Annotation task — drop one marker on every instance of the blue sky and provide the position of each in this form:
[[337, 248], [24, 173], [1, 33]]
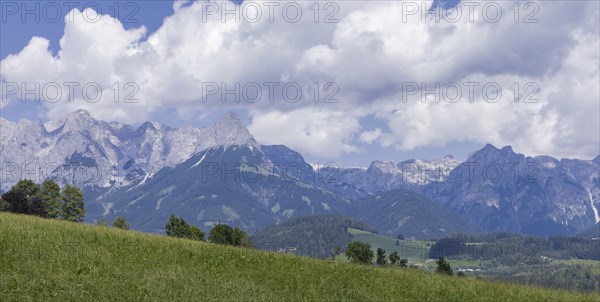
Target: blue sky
[[373, 52]]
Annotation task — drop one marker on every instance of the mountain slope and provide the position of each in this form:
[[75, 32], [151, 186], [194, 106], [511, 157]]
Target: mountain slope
[[315, 236], [500, 190], [405, 212], [234, 185], [591, 232], [44, 260]]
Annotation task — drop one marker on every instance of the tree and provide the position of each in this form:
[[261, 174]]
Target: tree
[[404, 263], [73, 208], [38, 207], [443, 267], [225, 234], [359, 252], [400, 236], [121, 223], [394, 258], [101, 222], [381, 257], [17, 201], [195, 233], [240, 238], [20, 198], [28, 187], [221, 234], [178, 227], [4, 206], [50, 193]]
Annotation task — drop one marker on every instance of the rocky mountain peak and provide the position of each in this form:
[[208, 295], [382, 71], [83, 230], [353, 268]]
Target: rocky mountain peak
[[231, 130], [78, 120], [387, 167], [490, 153]]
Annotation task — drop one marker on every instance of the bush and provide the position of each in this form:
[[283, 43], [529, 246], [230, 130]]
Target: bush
[[443, 267], [121, 223]]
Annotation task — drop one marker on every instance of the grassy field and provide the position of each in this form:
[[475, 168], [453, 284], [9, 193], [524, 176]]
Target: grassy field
[[48, 260], [413, 250], [594, 263]]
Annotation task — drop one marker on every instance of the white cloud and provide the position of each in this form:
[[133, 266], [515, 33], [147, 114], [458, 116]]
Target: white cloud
[[316, 132], [370, 136], [369, 53]]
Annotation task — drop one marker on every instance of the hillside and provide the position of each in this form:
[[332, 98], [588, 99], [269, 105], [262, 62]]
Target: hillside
[[591, 232], [316, 236], [218, 185], [416, 251], [45, 260], [405, 212]]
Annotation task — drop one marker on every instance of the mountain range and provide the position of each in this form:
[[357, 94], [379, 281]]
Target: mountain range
[[220, 173]]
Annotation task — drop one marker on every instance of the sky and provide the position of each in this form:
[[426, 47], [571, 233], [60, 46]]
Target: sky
[[346, 81]]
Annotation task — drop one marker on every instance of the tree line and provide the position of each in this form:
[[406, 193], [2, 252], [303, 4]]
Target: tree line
[[512, 249], [361, 252], [45, 200], [219, 234]]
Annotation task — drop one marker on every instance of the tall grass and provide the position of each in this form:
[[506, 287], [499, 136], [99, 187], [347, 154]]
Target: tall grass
[[49, 260]]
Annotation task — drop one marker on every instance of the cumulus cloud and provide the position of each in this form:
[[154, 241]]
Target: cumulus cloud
[[328, 134], [370, 136], [371, 52]]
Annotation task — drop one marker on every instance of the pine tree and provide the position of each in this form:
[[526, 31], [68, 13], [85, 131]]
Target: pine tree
[[381, 257]]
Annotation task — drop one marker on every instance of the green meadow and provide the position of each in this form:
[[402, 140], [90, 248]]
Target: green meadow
[[51, 260]]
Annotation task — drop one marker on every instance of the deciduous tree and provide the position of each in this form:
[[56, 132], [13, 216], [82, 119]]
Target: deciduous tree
[[394, 257], [359, 252], [50, 193], [178, 227], [73, 208]]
